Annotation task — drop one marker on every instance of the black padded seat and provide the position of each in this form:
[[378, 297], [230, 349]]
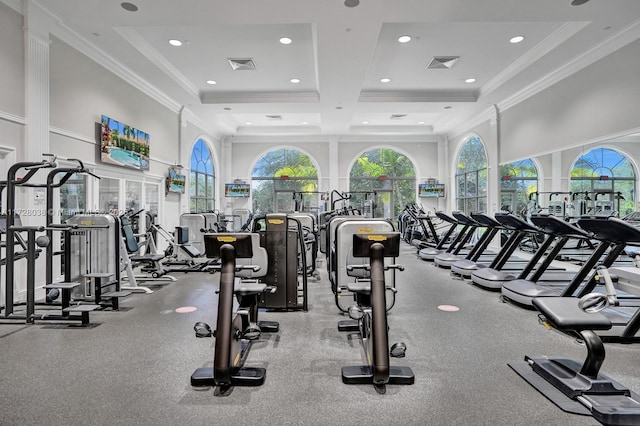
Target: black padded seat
[[146, 257], [564, 314]]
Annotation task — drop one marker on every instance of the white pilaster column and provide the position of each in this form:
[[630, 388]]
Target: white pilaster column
[[226, 156], [334, 169], [556, 172], [36, 56]]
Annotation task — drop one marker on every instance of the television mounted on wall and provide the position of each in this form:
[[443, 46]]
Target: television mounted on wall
[[431, 190], [241, 190], [176, 182], [123, 145]]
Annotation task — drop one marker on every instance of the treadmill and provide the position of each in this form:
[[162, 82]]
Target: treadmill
[[447, 258], [493, 278], [429, 253], [464, 267], [522, 291]]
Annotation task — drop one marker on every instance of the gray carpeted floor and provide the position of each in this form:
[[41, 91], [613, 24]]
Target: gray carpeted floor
[[134, 368]]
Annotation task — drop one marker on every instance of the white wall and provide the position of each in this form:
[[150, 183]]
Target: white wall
[[593, 104], [12, 81]]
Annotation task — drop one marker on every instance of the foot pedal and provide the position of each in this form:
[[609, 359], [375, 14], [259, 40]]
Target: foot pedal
[[252, 332], [348, 325], [269, 326], [398, 350], [202, 329]]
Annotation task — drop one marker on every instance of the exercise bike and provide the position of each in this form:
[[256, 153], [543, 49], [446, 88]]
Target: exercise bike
[[234, 331], [371, 315]]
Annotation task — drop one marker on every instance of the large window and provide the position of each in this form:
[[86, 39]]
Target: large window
[[471, 177], [604, 179], [388, 174], [278, 176], [518, 181], [202, 185]]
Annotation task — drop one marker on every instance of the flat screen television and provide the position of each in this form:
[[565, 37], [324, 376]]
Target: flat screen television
[[431, 190], [122, 145], [241, 190], [176, 182]]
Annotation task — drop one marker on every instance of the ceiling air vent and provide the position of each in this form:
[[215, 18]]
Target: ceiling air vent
[[273, 117], [242, 64], [442, 62], [398, 116]]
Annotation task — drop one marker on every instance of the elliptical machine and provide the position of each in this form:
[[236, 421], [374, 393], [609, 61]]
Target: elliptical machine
[[371, 315], [234, 331]]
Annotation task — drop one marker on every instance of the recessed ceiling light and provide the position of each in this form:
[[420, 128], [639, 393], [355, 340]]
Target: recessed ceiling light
[[578, 2], [130, 7], [385, 80], [285, 40], [351, 3], [305, 122], [338, 107], [470, 80], [248, 123], [420, 122], [516, 39], [404, 39], [211, 82], [295, 80], [175, 42], [448, 107], [227, 109], [365, 122]]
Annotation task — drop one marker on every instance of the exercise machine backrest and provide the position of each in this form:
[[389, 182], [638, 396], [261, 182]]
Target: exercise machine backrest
[[344, 242], [259, 258]]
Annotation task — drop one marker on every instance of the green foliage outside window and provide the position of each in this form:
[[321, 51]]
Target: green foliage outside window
[[395, 191], [270, 191], [471, 177]]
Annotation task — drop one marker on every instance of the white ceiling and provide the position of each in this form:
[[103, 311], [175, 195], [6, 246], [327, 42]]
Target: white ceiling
[[341, 53]]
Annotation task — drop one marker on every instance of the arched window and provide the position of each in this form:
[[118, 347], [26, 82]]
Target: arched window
[[518, 181], [471, 177], [390, 175], [202, 185], [605, 180], [278, 176]]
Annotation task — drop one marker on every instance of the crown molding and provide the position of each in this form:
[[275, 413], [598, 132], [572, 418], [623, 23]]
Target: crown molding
[[615, 42], [140, 44], [257, 97], [392, 130], [196, 121], [419, 96], [278, 130], [556, 38], [90, 50], [14, 4]]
